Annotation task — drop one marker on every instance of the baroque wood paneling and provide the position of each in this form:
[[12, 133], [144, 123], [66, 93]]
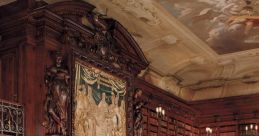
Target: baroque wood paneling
[[9, 75], [225, 115], [180, 118], [40, 29]]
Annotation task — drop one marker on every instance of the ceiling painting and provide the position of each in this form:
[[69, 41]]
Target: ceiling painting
[[227, 26]]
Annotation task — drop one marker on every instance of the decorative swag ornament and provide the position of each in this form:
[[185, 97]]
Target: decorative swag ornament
[[100, 81]]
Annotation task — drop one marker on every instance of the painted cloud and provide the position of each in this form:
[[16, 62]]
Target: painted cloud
[[226, 25]]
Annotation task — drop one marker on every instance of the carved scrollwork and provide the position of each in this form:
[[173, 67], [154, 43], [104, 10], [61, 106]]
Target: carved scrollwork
[[57, 101], [101, 43]]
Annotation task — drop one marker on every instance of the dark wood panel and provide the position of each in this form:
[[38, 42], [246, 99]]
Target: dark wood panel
[[9, 75], [179, 120], [224, 115]]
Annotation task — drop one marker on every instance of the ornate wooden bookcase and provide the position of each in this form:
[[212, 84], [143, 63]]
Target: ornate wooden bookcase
[[42, 40], [180, 119]]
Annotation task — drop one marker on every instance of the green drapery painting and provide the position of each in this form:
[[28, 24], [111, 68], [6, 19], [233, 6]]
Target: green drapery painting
[[99, 103]]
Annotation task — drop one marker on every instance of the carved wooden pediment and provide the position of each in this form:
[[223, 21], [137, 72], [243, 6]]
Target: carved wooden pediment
[[99, 39]]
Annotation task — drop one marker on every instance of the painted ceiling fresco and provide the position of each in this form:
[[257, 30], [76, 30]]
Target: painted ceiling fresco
[[227, 26]]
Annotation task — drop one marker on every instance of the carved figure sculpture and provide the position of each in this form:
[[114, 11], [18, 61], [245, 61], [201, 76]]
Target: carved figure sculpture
[[57, 100], [138, 117], [103, 37]]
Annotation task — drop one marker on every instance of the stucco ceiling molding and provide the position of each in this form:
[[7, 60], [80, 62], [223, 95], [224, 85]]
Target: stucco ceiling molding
[[252, 79], [248, 72], [221, 82], [240, 54], [139, 8], [208, 84], [194, 74]]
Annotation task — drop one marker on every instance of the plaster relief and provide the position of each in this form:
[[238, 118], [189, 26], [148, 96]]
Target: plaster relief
[[146, 12]]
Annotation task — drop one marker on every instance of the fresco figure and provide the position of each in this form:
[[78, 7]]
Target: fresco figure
[[227, 26]]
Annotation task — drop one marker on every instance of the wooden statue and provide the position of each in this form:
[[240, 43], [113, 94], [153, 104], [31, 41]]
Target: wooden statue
[[138, 117], [56, 104]]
